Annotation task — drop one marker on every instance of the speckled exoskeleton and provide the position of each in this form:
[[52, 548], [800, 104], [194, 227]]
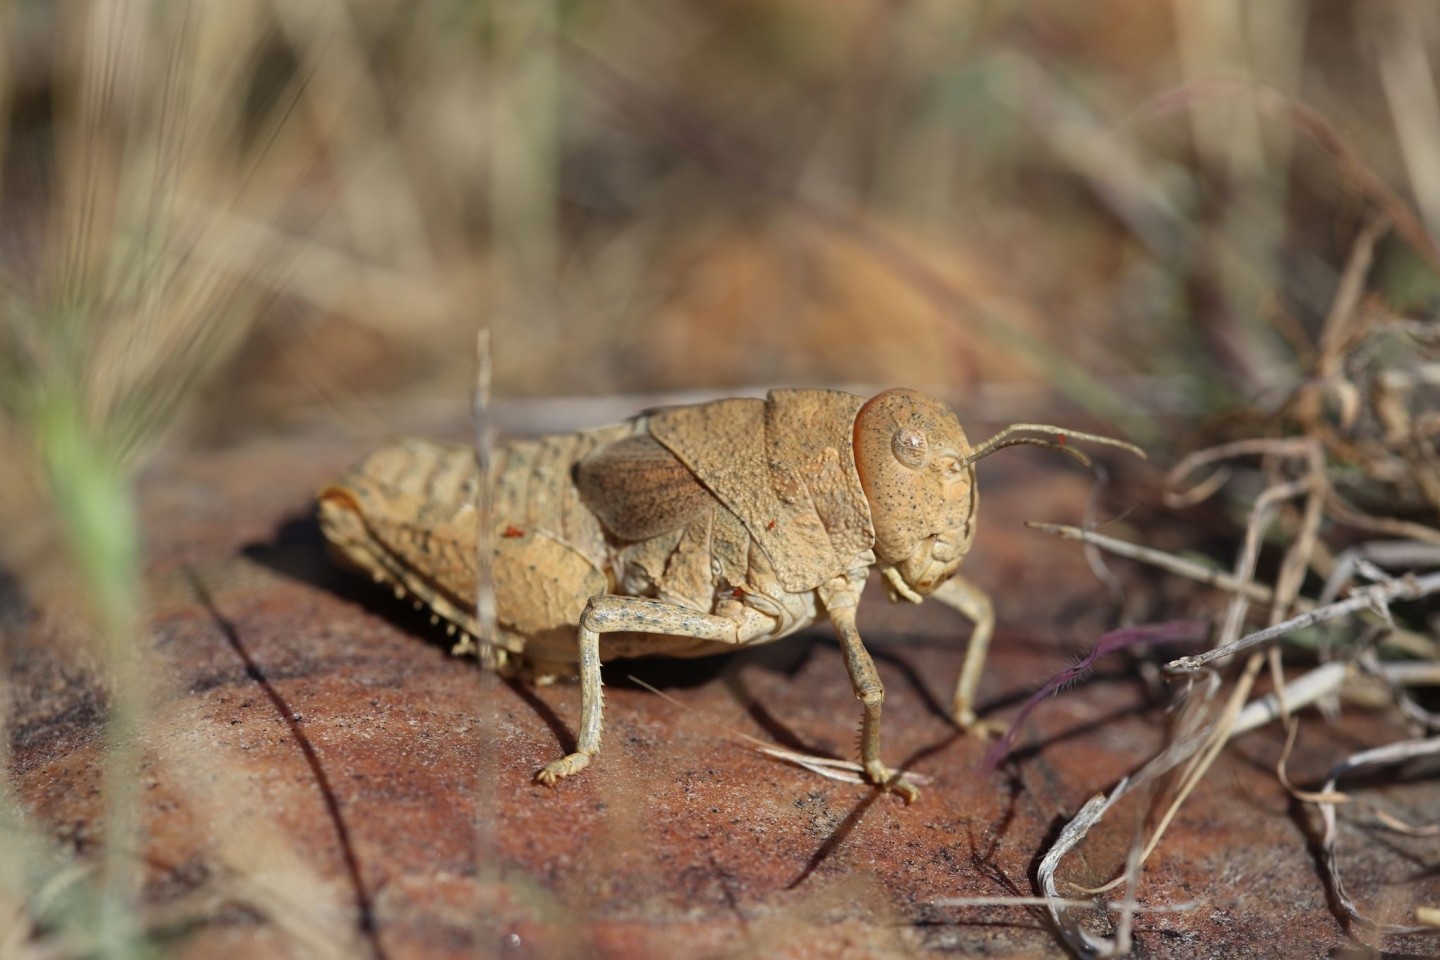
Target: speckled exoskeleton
[[683, 532]]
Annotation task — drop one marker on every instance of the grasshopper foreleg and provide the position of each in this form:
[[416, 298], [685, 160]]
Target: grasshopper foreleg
[[615, 614], [841, 598]]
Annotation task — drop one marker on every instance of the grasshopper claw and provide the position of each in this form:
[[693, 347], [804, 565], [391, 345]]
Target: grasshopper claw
[[907, 790], [557, 770], [892, 781]]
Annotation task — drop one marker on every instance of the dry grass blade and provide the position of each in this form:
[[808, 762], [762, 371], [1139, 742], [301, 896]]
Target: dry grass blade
[[1178, 496], [1425, 673], [1402, 553], [490, 916], [846, 771], [1403, 55]]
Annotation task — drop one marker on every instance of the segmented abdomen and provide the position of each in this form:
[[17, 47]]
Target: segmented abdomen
[[535, 491]]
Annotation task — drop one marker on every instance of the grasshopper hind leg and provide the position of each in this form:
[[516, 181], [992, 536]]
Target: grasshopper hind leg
[[591, 711], [614, 614]]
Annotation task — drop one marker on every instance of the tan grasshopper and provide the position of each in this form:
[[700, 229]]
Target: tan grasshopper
[[684, 532]]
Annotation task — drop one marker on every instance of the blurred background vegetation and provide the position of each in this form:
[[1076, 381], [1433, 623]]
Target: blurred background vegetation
[[1110, 203], [223, 219]]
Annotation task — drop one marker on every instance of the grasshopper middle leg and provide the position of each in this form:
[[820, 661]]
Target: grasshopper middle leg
[[615, 614], [960, 594]]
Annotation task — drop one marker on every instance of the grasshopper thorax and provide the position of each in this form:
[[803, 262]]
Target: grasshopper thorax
[[910, 453]]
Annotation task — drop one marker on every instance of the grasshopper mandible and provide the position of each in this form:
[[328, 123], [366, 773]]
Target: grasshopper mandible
[[684, 532]]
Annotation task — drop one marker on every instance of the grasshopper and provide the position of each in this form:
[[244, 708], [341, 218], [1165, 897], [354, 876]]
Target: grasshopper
[[686, 531]]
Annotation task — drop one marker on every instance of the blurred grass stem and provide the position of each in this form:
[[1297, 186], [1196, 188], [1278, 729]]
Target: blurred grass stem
[[94, 505]]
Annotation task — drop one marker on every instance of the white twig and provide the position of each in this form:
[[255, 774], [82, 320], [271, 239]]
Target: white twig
[[1369, 598], [1391, 754], [1079, 939], [1068, 904], [1303, 691]]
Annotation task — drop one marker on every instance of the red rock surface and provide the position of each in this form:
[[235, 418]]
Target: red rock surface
[[322, 778]]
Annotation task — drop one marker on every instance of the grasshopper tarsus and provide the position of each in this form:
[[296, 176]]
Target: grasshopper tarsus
[[906, 790], [556, 770]]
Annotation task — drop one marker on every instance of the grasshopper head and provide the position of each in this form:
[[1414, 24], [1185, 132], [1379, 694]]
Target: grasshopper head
[[910, 453]]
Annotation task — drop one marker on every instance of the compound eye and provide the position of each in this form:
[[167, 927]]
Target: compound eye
[[910, 447]]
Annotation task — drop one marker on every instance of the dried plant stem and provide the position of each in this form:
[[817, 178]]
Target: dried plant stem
[[1061, 902], [1177, 496], [1300, 554], [1372, 598], [1417, 674], [1379, 552], [1342, 512], [1260, 514], [1212, 576], [484, 508], [1339, 335], [1306, 689]]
